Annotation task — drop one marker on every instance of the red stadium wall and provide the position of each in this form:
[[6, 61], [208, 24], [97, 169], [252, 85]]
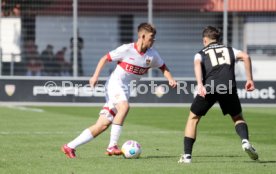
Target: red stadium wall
[[119, 6]]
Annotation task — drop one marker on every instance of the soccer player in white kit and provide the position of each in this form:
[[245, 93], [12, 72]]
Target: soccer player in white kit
[[133, 60]]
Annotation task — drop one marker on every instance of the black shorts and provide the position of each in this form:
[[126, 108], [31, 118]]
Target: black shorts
[[229, 103]]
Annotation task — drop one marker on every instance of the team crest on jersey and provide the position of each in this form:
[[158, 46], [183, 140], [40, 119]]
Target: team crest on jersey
[[148, 61]]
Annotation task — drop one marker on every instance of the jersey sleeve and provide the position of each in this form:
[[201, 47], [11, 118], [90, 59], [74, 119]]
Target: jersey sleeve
[[198, 57], [157, 62], [236, 52], [117, 54]]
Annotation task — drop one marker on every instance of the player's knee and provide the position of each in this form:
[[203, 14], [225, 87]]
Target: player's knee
[[193, 122], [238, 118], [123, 107], [193, 117]]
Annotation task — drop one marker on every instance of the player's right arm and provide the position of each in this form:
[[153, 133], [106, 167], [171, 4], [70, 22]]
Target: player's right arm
[[198, 74], [249, 86], [94, 79], [114, 55]]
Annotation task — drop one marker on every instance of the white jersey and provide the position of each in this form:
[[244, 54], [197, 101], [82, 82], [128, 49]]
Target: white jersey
[[131, 65]]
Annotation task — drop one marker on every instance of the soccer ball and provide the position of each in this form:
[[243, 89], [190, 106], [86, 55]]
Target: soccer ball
[[131, 149]]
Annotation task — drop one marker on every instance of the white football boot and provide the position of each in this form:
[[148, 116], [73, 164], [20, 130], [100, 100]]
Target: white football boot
[[185, 158], [249, 149]]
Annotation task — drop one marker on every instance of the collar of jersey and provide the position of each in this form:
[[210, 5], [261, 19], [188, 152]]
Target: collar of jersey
[[136, 48], [212, 43]]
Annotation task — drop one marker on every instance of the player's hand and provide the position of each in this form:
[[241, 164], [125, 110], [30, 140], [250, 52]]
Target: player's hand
[[93, 81], [201, 90], [172, 83], [249, 86]]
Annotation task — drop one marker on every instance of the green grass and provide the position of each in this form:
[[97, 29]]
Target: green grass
[[31, 141]]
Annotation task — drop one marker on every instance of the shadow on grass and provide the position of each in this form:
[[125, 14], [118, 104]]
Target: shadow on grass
[[216, 156], [235, 156], [164, 156], [265, 162]]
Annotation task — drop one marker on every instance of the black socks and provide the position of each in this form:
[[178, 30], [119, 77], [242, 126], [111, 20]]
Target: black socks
[[242, 130], [188, 145]]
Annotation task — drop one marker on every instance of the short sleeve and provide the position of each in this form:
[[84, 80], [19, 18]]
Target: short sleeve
[[157, 62], [198, 57], [117, 54], [236, 52]]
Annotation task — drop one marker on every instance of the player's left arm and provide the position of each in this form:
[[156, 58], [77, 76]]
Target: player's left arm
[[159, 63], [249, 86], [167, 74]]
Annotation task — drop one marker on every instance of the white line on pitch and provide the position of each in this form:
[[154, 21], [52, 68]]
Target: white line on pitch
[[22, 108], [64, 133]]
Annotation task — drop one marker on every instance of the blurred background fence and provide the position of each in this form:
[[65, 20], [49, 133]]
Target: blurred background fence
[[67, 37]]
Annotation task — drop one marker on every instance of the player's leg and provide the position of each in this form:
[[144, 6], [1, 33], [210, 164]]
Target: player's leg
[[242, 130], [199, 107], [117, 95], [189, 137], [88, 134], [92, 132], [116, 128], [230, 104], [240, 126]]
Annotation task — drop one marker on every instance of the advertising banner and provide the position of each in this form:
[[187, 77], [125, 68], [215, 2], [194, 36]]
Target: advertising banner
[[146, 91]]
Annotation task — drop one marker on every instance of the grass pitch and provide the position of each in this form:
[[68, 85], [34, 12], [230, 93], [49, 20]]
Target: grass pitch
[[31, 138]]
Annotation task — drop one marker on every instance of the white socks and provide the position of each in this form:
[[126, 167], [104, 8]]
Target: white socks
[[115, 134], [83, 138], [86, 136]]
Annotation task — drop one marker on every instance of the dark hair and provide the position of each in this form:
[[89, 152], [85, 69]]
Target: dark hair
[[212, 33], [147, 27]]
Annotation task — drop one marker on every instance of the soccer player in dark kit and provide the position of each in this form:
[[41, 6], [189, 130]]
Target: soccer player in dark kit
[[214, 68]]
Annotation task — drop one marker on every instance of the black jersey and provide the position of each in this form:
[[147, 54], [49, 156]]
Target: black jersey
[[218, 66]]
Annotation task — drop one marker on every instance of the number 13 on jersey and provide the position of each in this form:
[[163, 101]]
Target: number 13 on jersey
[[219, 56]]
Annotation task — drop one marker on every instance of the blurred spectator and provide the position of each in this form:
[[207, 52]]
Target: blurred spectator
[[34, 63], [48, 58], [60, 55], [34, 68], [64, 66], [80, 45], [10, 8], [29, 50], [16, 10]]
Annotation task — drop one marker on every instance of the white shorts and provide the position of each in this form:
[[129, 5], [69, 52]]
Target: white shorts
[[114, 94]]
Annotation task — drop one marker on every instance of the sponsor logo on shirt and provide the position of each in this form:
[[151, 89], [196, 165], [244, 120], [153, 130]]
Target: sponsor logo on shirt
[[133, 68]]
